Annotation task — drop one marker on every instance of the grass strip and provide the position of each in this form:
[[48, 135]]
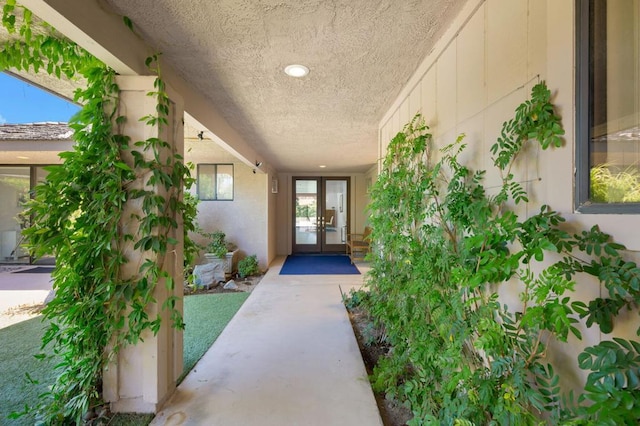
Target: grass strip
[[20, 342], [205, 316]]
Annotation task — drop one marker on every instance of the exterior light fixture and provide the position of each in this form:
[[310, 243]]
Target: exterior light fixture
[[296, 70], [322, 166]]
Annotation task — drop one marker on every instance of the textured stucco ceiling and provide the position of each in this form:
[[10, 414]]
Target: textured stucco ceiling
[[360, 53]]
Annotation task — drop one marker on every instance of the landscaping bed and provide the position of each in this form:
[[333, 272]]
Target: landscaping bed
[[373, 347], [247, 285]]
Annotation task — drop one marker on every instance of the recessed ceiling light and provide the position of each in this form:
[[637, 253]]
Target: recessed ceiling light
[[296, 70], [21, 157], [322, 166]]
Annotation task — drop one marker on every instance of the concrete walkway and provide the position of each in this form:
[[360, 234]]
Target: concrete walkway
[[288, 358], [21, 290]]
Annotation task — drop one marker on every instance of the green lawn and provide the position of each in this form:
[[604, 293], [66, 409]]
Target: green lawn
[[20, 342], [205, 317]]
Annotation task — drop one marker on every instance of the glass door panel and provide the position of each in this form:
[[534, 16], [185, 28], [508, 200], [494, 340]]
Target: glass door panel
[[15, 183], [320, 214], [306, 235], [40, 177], [334, 219]]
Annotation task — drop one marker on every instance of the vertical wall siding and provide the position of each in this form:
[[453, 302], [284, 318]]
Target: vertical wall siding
[[477, 74]]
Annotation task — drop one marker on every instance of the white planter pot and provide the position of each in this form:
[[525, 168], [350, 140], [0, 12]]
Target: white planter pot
[[229, 263]]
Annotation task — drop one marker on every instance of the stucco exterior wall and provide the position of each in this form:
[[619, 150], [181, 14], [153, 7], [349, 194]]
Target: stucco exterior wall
[[245, 219], [479, 72]]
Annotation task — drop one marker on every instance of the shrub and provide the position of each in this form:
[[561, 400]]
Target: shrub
[[612, 187], [442, 249], [248, 266]]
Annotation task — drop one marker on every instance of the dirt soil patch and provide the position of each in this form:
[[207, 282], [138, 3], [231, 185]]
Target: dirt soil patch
[[372, 347], [246, 285], [20, 313]]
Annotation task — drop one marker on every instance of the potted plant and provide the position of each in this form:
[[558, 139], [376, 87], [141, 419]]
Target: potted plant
[[219, 250]]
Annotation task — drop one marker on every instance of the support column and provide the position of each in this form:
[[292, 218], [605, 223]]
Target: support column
[[142, 377]]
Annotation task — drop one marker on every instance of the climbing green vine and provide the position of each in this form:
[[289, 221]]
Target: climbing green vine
[[446, 246], [78, 215]]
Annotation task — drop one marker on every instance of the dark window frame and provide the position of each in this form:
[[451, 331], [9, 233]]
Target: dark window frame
[[584, 112], [215, 183]]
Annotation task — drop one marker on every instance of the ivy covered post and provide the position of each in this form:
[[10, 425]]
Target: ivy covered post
[[114, 216], [142, 375]]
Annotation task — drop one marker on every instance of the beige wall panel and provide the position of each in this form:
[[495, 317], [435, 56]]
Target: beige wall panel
[[385, 137], [563, 356], [495, 115], [625, 228], [272, 222], [528, 163], [553, 167], [560, 163], [429, 99], [371, 176], [396, 124], [359, 198], [535, 184], [441, 141], [509, 293], [284, 206], [474, 155], [534, 165], [388, 136], [626, 324], [446, 94], [506, 46], [471, 87], [405, 115], [537, 38], [415, 101]]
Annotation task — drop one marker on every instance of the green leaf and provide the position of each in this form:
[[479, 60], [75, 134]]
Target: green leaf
[[128, 23]]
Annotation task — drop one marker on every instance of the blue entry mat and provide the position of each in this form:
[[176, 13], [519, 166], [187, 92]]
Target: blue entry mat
[[318, 264]]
